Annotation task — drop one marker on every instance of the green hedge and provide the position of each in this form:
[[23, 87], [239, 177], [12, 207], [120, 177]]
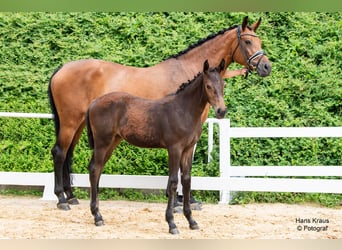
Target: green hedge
[[304, 89]]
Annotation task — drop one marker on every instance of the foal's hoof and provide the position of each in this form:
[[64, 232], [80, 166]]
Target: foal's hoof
[[173, 231], [99, 223], [73, 201], [63, 206], [194, 226]]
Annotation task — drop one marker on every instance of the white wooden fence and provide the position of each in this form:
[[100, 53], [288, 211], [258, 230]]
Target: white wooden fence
[[232, 178]]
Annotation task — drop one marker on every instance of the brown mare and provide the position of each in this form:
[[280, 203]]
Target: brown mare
[[173, 122], [73, 86]]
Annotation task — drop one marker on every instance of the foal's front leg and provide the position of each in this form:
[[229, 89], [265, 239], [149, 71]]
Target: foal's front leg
[[101, 155], [186, 164]]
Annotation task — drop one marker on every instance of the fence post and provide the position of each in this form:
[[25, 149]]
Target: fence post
[[48, 194], [210, 138], [225, 170]]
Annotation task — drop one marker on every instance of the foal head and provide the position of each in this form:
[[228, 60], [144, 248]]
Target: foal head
[[213, 87]]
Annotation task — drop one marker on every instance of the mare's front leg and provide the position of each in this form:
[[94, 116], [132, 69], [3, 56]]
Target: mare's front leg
[[186, 164], [174, 159]]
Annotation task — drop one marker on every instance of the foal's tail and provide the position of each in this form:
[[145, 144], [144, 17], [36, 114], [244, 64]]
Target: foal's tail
[[89, 131]]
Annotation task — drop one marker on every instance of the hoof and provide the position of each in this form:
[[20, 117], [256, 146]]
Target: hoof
[[63, 206], [174, 231], [194, 226], [99, 223], [73, 201]]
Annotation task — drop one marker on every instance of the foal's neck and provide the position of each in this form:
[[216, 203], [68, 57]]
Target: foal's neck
[[193, 98]]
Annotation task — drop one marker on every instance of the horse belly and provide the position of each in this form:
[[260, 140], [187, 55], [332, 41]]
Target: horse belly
[[143, 141], [141, 129]]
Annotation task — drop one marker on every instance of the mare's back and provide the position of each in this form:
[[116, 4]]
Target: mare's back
[[92, 78]]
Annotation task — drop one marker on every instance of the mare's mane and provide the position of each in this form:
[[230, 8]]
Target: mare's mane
[[202, 41]]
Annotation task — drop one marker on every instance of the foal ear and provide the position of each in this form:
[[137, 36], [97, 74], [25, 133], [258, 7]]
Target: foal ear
[[222, 65], [206, 66], [256, 25], [244, 23]]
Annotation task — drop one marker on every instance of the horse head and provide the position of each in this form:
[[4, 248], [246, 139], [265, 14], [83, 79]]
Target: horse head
[[214, 85], [248, 50]]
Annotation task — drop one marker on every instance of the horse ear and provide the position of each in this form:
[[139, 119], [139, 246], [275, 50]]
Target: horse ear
[[256, 25], [205, 66], [244, 23], [222, 65]]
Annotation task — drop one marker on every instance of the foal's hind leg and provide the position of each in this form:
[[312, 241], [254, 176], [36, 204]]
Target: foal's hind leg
[[99, 159], [95, 170], [174, 159]]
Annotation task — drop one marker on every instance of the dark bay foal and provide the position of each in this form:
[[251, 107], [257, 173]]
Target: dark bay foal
[[172, 122]]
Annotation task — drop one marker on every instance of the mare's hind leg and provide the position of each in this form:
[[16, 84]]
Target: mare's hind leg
[[67, 180], [59, 152], [99, 159], [174, 161], [62, 154], [186, 164]]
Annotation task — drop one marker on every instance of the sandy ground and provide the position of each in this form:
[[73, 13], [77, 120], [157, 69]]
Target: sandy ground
[[31, 218]]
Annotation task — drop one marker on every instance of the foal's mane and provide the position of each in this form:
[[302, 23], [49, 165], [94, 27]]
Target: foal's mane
[[184, 85], [201, 41]]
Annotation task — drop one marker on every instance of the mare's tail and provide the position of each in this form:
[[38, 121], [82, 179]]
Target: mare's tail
[[89, 131], [52, 104]]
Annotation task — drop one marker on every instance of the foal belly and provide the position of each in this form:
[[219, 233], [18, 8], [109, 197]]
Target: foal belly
[[144, 140]]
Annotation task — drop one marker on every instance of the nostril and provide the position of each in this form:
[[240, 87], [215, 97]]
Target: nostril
[[220, 112], [266, 69], [268, 66]]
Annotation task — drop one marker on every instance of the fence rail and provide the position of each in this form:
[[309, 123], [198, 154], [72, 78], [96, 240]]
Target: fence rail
[[25, 115], [232, 178]]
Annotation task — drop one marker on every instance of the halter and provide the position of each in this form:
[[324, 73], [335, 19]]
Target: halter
[[257, 54]]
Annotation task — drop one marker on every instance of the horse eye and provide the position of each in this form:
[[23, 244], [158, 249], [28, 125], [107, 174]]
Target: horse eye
[[248, 42], [208, 87]]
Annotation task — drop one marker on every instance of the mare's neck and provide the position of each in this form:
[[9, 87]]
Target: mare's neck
[[215, 49]]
